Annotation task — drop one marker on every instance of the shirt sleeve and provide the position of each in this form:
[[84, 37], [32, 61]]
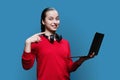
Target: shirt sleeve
[[69, 59], [29, 58], [73, 66]]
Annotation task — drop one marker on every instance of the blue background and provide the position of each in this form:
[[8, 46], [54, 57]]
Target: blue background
[[80, 19]]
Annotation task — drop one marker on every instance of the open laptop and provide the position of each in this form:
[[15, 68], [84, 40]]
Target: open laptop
[[96, 43]]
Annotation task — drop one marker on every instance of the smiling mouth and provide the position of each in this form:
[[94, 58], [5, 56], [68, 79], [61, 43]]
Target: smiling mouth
[[54, 26]]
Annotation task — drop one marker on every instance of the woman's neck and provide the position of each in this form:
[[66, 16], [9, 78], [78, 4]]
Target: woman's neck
[[48, 33]]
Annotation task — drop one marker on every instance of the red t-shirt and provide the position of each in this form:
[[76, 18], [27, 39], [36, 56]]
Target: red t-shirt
[[53, 59]]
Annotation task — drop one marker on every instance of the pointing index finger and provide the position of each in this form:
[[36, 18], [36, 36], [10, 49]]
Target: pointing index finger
[[40, 33]]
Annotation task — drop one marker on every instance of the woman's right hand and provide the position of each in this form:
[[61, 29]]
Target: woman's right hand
[[34, 38]]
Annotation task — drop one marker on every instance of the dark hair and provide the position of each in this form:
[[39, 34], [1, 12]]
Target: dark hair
[[43, 15]]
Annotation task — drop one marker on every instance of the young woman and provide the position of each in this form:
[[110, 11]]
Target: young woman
[[51, 51]]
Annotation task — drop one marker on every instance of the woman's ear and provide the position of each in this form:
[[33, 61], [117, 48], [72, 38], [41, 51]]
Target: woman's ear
[[43, 22]]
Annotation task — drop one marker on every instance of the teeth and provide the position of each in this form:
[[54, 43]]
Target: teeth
[[54, 25]]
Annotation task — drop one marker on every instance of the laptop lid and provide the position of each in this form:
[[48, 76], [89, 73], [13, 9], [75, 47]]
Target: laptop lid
[[96, 43]]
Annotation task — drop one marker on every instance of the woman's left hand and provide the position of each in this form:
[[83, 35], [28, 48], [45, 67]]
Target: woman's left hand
[[91, 55], [88, 56]]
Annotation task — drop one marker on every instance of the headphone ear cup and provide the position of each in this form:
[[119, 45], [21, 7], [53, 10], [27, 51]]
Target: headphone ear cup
[[58, 37], [51, 38]]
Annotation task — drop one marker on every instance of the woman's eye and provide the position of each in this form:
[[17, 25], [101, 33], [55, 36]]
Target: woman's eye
[[50, 18], [57, 18]]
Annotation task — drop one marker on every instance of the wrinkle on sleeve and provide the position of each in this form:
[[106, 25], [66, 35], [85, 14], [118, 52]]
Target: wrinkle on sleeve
[[29, 58], [69, 59]]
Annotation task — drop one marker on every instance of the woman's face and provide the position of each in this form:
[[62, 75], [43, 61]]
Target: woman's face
[[51, 21]]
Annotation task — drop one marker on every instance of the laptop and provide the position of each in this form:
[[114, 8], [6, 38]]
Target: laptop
[[96, 44]]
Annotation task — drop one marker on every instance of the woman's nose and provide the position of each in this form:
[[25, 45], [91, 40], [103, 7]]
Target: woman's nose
[[55, 21]]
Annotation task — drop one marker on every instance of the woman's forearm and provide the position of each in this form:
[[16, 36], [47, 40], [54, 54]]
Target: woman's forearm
[[27, 47], [76, 64]]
